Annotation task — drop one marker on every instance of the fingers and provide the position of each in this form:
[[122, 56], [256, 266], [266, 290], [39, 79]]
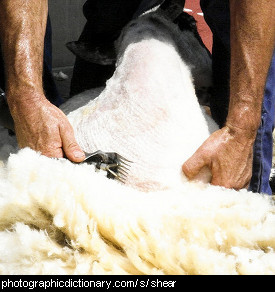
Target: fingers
[[194, 165], [70, 146]]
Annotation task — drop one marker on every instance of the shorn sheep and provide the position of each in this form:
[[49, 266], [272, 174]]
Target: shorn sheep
[[61, 218]]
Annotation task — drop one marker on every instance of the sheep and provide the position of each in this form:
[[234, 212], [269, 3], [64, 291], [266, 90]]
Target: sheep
[[141, 103], [61, 218]]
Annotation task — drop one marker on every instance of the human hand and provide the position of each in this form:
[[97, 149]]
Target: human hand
[[43, 127], [228, 154]]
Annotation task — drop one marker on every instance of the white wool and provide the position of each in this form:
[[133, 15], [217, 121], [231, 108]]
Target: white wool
[[57, 217], [92, 225]]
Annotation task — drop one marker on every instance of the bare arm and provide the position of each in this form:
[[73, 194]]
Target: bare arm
[[228, 152], [38, 124], [252, 44]]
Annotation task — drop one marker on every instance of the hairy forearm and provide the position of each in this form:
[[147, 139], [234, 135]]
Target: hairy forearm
[[252, 44], [22, 33], [38, 124]]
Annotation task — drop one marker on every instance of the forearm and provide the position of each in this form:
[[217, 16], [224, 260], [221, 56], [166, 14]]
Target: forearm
[[22, 33], [38, 124], [252, 44]]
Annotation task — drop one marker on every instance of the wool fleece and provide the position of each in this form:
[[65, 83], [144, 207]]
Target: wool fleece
[[57, 217]]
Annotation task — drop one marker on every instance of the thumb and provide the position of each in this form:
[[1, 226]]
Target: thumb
[[193, 165], [70, 147]]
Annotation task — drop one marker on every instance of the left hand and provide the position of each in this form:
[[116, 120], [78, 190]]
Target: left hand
[[43, 127]]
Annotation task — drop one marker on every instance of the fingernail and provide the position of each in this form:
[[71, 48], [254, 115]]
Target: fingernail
[[78, 154]]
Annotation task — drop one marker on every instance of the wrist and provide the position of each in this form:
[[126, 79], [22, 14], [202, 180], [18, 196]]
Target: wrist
[[244, 114], [23, 99], [245, 136]]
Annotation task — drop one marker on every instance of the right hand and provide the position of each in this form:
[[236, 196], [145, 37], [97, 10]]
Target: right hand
[[43, 127], [227, 153]]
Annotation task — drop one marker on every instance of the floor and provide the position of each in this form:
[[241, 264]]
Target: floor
[[62, 77], [193, 7]]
